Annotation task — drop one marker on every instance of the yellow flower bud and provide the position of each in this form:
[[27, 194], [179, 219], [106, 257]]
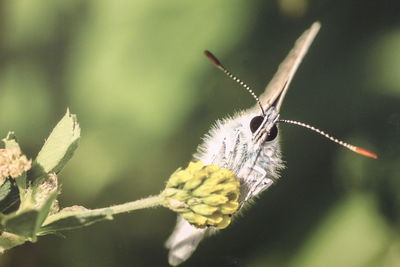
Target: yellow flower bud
[[203, 195]]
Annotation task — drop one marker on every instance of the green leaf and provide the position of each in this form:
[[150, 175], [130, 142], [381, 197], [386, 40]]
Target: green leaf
[[58, 148], [22, 224], [9, 194], [44, 210], [72, 218], [8, 240], [10, 141], [27, 222]]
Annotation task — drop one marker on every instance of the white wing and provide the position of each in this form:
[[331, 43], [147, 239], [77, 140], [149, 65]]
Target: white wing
[[183, 241]]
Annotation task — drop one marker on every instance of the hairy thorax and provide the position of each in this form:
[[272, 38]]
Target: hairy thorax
[[230, 144]]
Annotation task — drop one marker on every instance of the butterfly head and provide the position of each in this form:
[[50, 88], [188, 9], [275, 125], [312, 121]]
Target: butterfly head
[[263, 127]]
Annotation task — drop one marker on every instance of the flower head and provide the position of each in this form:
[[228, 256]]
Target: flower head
[[12, 163], [203, 195]]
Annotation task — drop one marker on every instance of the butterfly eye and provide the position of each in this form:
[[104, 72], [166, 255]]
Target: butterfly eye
[[273, 133], [255, 123]]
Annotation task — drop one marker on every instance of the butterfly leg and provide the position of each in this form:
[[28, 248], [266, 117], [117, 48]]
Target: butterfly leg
[[259, 184]]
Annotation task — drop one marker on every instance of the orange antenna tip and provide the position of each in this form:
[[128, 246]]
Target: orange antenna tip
[[358, 150], [366, 153]]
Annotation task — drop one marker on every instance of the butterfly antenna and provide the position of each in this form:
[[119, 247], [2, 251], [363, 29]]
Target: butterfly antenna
[[358, 150], [218, 64]]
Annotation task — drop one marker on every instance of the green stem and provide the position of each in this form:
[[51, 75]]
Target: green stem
[[77, 217], [149, 202]]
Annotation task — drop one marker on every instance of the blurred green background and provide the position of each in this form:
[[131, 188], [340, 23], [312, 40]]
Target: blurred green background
[[134, 73]]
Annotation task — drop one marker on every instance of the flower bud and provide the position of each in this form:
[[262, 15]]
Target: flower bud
[[203, 195], [12, 163]]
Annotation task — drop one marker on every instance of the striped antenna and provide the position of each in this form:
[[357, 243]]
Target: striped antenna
[[218, 64], [358, 150]]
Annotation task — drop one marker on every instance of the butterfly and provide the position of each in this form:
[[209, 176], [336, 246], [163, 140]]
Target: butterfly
[[248, 144]]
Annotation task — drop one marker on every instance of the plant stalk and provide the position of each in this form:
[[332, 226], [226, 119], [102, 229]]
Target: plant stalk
[[149, 202]]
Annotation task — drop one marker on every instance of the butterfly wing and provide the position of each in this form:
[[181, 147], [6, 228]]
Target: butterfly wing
[[276, 89], [183, 241]]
